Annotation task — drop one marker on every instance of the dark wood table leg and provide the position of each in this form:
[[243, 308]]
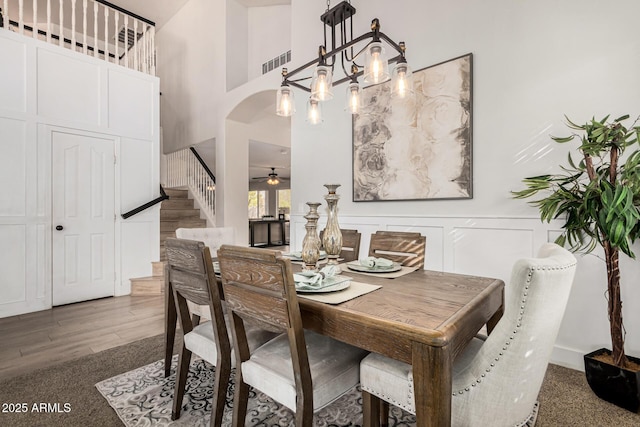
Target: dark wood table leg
[[432, 385], [170, 318], [493, 321]]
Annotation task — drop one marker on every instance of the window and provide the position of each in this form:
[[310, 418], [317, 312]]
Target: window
[[284, 201], [257, 204]]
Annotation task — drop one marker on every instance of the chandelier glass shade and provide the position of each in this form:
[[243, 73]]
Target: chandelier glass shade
[[401, 80], [354, 97], [285, 101], [364, 56], [321, 83], [376, 64], [314, 111]]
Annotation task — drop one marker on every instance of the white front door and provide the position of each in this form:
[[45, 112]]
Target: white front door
[[83, 217]]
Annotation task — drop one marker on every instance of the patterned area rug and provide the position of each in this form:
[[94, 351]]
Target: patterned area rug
[[143, 397]]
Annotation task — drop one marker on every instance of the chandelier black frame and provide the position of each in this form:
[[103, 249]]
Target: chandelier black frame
[[338, 28]]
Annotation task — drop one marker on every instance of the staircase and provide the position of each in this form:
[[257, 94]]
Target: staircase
[[176, 212]]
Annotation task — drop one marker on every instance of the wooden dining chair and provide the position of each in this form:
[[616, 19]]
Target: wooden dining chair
[[190, 274], [350, 244], [302, 370], [405, 248], [504, 371]]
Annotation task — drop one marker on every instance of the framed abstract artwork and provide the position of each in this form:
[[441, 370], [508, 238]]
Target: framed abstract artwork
[[418, 147]]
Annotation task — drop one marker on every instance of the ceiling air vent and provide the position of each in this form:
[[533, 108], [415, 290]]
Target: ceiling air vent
[[276, 62], [131, 38]]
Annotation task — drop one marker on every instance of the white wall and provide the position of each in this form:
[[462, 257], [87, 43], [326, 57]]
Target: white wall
[[269, 35], [237, 27], [44, 88], [534, 62], [191, 48]]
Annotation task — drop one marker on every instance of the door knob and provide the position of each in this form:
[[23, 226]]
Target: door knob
[[59, 227]]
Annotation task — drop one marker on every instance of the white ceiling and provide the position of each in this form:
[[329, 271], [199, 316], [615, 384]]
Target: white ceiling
[[160, 11]]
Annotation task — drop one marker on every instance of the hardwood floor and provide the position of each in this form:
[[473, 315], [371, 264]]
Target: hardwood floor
[[44, 338]]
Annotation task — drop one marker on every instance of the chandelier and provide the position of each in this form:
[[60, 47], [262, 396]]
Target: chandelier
[[340, 46]]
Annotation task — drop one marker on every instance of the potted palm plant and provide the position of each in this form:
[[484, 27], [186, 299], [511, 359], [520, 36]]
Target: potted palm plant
[[599, 199]]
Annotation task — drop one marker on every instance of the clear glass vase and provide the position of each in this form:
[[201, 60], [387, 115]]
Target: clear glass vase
[[332, 236], [311, 241]]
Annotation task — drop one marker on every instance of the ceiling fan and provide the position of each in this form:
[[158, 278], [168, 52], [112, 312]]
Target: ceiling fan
[[272, 178]]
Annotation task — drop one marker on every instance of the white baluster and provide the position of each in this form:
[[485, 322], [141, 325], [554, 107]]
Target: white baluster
[[84, 26], [61, 16], [35, 19], [106, 34], [95, 28], [48, 20], [153, 51], [116, 17], [126, 41], [73, 25], [135, 44], [20, 16], [5, 13]]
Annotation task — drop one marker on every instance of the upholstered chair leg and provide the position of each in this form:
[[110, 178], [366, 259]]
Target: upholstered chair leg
[[370, 410], [240, 400], [384, 413], [181, 381], [223, 371]]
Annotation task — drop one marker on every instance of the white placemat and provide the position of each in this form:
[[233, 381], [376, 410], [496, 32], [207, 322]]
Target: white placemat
[[355, 290], [391, 275]]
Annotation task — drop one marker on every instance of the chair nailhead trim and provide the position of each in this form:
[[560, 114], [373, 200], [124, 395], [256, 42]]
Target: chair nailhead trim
[[525, 294]]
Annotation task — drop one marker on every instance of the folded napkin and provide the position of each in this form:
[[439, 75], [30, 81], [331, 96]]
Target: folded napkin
[[309, 280], [373, 262], [298, 255]]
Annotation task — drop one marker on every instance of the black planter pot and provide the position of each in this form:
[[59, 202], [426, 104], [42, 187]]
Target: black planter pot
[[611, 383]]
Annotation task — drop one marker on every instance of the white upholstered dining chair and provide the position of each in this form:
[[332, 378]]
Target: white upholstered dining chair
[[300, 369], [495, 381]]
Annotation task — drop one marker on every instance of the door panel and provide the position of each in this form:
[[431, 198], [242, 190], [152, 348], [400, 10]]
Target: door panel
[[83, 217]]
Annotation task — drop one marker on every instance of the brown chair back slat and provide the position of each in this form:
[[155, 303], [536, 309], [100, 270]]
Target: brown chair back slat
[[350, 244], [258, 284], [406, 248]]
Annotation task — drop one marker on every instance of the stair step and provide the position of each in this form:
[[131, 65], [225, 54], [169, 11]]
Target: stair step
[[157, 269], [173, 225], [153, 285], [175, 193], [178, 203], [176, 214], [165, 234]]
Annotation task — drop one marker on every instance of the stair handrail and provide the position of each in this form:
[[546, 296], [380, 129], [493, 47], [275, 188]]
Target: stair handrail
[[136, 49], [132, 212], [186, 168], [204, 165]]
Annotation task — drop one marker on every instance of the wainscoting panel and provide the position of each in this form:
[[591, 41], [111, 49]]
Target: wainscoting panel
[[132, 102], [13, 75], [489, 251], [68, 88], [13, 259], [139, 243], [140, 185], [13, 167]]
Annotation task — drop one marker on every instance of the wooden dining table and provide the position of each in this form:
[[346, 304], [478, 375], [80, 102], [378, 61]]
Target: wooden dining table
[[424, 318]]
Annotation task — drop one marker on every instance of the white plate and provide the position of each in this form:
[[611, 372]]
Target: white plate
[[332, 288], [356, 266]]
